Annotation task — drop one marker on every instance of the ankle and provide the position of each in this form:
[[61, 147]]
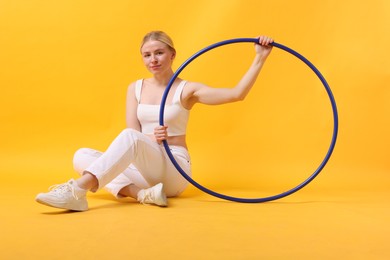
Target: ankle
[[79, 187], [87, 182], [78, 191], [130, 190]]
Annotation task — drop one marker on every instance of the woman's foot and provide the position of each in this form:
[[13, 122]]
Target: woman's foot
[[65, 196], [154, 195]]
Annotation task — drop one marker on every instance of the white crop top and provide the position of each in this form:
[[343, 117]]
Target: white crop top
[[175, 115]]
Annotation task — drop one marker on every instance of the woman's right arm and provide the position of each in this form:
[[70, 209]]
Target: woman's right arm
[[131, 109]]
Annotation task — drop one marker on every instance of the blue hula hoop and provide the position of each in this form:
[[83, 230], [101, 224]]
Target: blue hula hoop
[[252, 200]]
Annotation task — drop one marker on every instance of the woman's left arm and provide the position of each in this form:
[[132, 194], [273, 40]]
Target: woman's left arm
[[200, 93]]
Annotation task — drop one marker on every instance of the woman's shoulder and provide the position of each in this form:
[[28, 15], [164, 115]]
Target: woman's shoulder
[[135, 83], [192, 86], [133, 86], [190, 89]]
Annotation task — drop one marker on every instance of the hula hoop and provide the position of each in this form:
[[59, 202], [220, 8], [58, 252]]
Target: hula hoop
[[252, 200]]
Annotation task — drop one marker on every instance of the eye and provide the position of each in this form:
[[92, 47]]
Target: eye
[[146, 55]]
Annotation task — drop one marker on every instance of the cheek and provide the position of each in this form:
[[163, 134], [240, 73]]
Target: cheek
[[168, 59], [145, 60]]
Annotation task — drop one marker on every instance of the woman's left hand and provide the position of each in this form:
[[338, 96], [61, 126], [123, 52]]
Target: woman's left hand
[[160, 133], [264, 47]]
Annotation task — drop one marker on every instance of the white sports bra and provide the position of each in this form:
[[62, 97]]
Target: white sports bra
[[175, 115]]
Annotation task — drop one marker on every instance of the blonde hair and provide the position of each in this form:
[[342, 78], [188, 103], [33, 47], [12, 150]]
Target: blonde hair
[[159, 36]]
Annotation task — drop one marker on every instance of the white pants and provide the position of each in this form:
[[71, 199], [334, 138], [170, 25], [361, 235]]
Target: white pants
[[132, 158]]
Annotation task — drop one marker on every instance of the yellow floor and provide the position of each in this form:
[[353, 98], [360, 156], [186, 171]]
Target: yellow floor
[[310, 224], [64, 71]]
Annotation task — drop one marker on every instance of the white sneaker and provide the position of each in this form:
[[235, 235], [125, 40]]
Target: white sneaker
[[65, 196], [154, 195]]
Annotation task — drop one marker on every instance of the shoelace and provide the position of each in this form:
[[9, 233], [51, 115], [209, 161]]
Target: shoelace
[[147, 198], [63, 188]]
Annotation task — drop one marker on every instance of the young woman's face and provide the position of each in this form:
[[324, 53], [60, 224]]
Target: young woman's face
[[157, 56]]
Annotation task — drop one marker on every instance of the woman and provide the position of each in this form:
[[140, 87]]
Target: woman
[[136, 164]]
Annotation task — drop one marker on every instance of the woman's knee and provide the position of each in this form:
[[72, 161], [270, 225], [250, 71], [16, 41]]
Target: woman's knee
[[131, 135], [82, 152], [130, 132], [83, 157]]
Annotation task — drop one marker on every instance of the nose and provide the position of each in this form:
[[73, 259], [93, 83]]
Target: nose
[[154, 58]]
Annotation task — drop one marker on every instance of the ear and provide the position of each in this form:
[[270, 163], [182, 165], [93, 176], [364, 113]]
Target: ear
[[173, 56]]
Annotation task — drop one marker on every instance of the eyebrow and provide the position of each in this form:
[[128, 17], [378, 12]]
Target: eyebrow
[[160, 49]]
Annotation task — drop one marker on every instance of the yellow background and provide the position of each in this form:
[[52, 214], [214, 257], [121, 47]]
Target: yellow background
[[65, 67]]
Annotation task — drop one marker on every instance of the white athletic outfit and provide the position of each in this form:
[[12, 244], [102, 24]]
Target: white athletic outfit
[[133, 158]]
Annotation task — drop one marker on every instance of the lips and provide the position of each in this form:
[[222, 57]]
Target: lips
[[155, 67]]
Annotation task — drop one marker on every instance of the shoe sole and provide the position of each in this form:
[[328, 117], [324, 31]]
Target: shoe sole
[[60, 206]]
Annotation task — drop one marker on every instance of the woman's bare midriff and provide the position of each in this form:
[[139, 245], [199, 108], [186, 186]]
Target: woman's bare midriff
[[179, 140]]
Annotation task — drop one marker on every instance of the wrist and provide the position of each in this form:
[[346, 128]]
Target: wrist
[[260, 59]]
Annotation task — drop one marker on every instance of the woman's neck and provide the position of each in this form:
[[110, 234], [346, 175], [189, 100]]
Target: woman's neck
[[163, 79]]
